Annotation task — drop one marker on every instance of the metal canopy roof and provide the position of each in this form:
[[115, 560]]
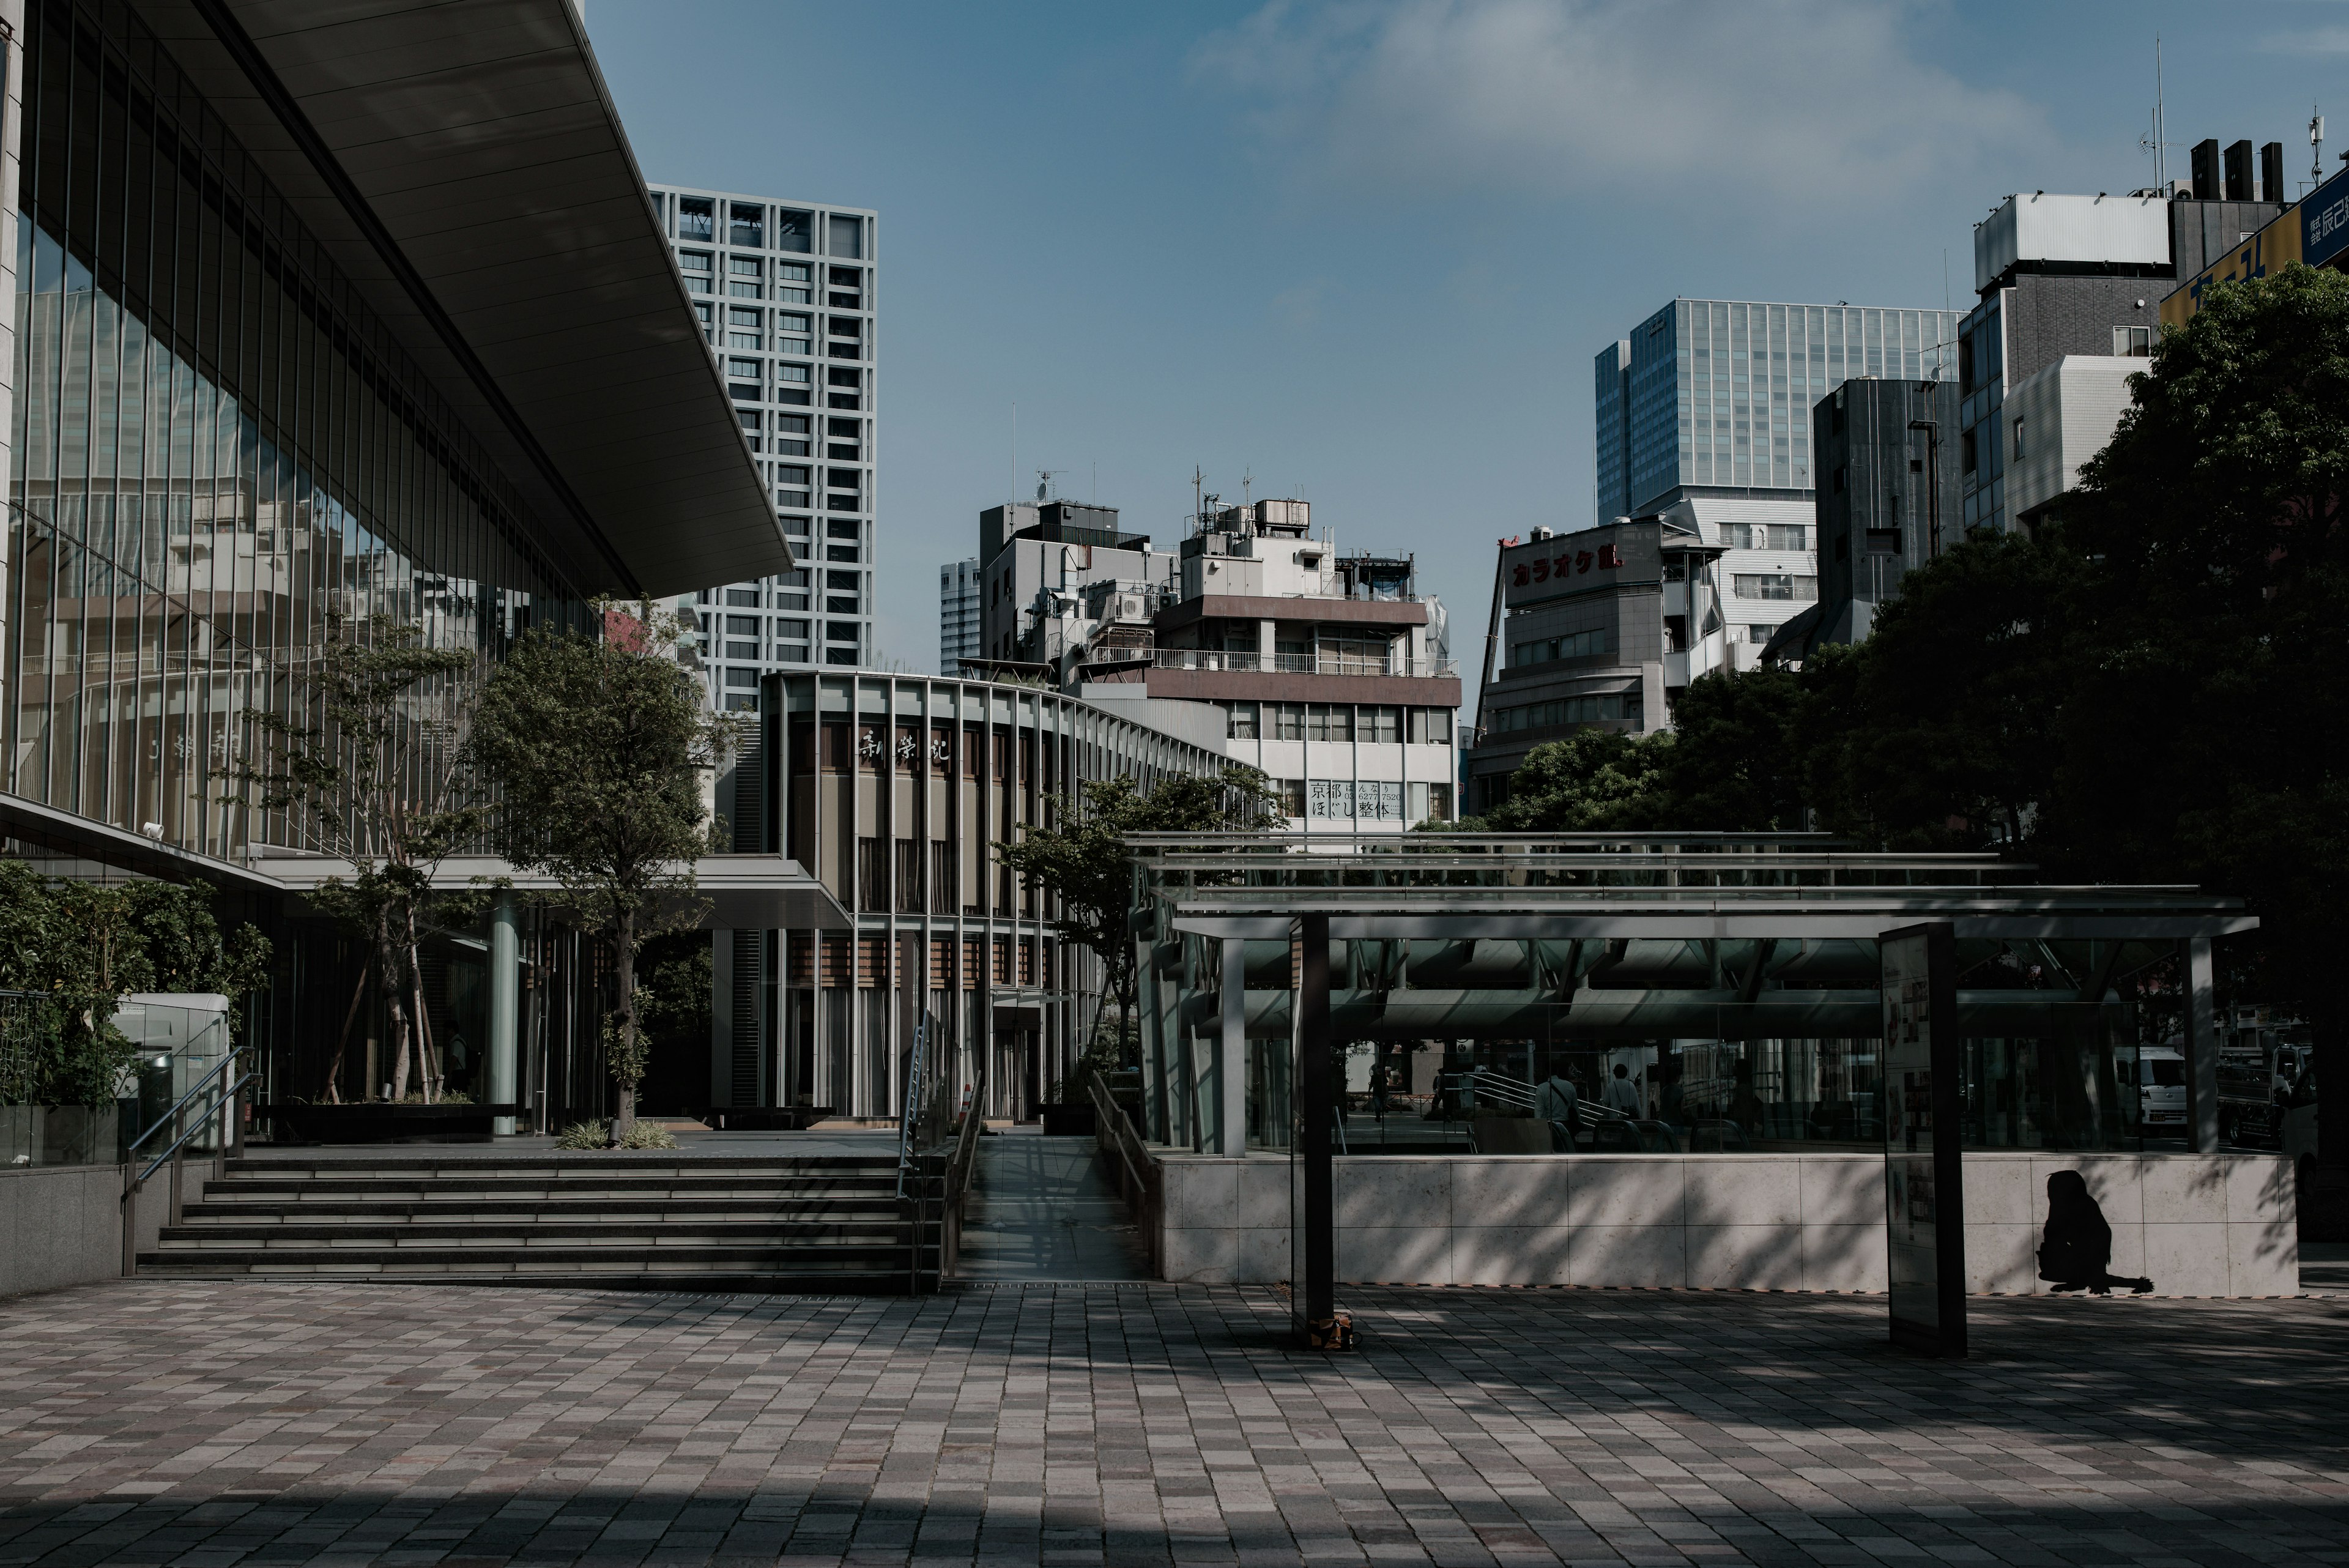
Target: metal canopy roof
[[1459, 887], [464, 164], [1718, 936]]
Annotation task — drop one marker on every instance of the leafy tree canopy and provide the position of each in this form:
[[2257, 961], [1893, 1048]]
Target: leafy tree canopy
[[598, 749]]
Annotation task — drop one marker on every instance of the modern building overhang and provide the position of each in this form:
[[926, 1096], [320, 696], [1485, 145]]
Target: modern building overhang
[[738, 892], [465, 167]]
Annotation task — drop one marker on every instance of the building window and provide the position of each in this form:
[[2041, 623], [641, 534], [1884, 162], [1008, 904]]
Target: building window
[[749, 418], [746, 316], [747, 225], [741, 677], [696, 218], [792, 271], [1239, 720], [792, 372], [840, 631], [1774, 585], [1431, 726], [1287, 722], [1606, 707], [787, 322], [1382, 725], [791, 473], [742, 369], [794, 231], [844, 582], [840, 552], [847, 237], [1330, 722], [742, 598], [1577, 645], [1291, 795], [843, 528], [1966, 451], [2130, 343], [2019, 453]]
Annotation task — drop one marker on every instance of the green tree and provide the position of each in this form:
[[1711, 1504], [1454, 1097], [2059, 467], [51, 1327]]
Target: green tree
[[369, 764], [1940, 729], [1592, 780], [2208, 736], [598, 749], [1079, 860], [84, 946]]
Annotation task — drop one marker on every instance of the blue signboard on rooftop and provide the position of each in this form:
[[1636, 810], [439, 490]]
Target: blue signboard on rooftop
[[2324, 220]]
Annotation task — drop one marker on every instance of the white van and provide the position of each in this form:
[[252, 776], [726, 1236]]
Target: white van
[[2161, 1089]]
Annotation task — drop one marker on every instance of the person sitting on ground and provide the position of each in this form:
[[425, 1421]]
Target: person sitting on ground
[[1553, 1102], [1623, 1094], [2077, 1244]]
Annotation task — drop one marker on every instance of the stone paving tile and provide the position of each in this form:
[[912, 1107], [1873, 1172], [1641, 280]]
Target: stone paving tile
[[214, 1425]]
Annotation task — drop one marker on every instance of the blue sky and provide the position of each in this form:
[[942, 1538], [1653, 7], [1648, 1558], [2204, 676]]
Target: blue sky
[[1364, 250]]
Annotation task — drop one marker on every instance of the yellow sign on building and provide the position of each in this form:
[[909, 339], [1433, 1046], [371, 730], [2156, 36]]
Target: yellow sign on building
[[2272, 249]]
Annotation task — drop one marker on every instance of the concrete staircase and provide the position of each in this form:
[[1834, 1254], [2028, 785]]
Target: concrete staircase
[[646, 1220]]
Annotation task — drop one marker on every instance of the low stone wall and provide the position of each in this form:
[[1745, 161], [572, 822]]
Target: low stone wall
[[62, 1225], [2199, 1225]]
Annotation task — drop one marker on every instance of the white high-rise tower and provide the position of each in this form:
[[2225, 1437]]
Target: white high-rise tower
[[786, 295]]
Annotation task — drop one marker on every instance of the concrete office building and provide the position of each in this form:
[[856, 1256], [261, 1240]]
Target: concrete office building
[[2062, 279], [267, 376], [1043, 564], [1600, 628], [891, 790], [960, 597], [1888, 502], [786, 295], [1704, 416]]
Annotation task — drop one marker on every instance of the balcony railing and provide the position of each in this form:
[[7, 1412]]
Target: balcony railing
[[1214, 658]]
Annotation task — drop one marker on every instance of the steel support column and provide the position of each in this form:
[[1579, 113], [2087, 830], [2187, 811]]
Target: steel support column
[[1231, 1053], [505, 1008], [2201, 1049], [1316, 1108]]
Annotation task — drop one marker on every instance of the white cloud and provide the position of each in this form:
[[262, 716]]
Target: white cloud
[[1694, 102], [2330, 40]]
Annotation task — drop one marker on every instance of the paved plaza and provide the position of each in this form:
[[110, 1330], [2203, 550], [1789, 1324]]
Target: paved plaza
[[239, 1423]]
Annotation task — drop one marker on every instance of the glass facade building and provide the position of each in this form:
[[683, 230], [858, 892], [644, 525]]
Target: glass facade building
[[1715, 395], [217, 450], [250, 405]]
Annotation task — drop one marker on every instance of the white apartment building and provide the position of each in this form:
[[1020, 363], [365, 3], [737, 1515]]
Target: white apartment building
[[786, 292], [1330, 674]]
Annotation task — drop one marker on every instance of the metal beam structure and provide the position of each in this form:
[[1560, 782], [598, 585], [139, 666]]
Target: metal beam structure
[[1610, 940]]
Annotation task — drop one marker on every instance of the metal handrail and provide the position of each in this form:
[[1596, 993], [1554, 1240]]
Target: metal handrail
[[157, 1124], [157, 1163]]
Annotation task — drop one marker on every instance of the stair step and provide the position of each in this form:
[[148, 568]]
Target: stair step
[[361, 1233], [763, 1258], [817, 1223], [455, 1211]]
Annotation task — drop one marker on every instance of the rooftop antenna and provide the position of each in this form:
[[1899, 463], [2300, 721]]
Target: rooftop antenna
[[1247, 477], [1044, 477], [1015, 451], [2155, 143], [1198, 515], [2315, 147]]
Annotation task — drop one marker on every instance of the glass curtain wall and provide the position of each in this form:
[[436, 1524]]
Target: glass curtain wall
[[218, 451]]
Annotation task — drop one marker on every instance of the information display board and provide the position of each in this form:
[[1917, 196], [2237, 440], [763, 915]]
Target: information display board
[[1924, 1197]]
